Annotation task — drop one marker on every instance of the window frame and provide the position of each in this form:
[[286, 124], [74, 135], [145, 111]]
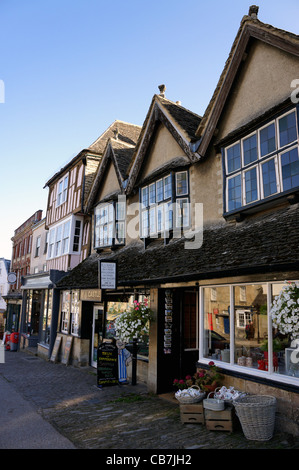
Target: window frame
[[261, 159], [232, 366], [169, 197], [62, 193], [118, 219], [55, 249]]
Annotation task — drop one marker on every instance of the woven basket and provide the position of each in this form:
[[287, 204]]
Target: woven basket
[[257, 416], [188, 399]]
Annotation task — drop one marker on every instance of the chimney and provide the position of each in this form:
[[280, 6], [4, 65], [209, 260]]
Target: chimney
[[253, 11], [116, 134], [162, 89]]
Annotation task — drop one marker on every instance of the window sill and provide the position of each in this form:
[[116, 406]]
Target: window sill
[[282, 382], [291, 197]]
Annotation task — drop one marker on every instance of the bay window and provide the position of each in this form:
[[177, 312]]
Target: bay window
[[262, 164], [236, 330], [163, 206], [64, 238]]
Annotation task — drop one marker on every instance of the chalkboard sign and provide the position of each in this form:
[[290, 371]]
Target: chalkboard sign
[[56, 349], [67, 350], [107, 370]]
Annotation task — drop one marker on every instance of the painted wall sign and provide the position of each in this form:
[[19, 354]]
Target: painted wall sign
[[94, 295]]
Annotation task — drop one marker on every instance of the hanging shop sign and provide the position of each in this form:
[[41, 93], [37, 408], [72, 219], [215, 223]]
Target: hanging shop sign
[[107, 274], [107, 366]]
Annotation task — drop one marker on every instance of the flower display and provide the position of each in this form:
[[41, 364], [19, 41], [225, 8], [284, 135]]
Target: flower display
[[133, 323], [206, 379], [285, 310]]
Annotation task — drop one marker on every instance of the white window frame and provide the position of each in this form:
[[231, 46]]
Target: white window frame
[[62, 189], [231, 365], [56, 245], [276, 154]]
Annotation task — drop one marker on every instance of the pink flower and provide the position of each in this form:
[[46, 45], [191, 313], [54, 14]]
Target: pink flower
[[175, 381], [211, 363], [201, 374], [188, 377], [181, 381]]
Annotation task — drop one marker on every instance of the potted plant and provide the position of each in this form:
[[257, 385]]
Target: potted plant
[[208, 379], [285, 310]]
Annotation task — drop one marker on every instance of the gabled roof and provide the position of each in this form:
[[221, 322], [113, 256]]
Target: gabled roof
[[180, 122], [250, 27], [120, 155], [127, 133]]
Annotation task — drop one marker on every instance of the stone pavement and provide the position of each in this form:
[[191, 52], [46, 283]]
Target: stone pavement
[[115, 417]]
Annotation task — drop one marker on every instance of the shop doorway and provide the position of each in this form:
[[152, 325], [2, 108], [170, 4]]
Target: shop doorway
[[97, 333], [177, 350]]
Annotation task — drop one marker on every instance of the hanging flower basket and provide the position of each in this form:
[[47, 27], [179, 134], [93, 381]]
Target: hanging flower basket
[[285, 310]]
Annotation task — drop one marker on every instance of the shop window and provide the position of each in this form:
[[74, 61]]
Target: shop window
[[47, 317], [163, 206], [263, 164], [65, 311], [237, 330], [216, 339], [75, 313]]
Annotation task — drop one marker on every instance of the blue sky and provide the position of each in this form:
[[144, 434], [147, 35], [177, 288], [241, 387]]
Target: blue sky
[[71, 67]]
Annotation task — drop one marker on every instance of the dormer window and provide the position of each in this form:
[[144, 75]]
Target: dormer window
[[62, 191], [164, 205], [109, 223], [262, 164]]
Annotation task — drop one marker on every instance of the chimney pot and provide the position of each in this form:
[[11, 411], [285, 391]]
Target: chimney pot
[[253, 11]]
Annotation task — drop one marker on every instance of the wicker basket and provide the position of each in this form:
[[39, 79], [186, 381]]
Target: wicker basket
[[187, 399], [257, 416]]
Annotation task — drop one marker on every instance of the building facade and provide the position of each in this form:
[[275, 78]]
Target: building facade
[[215, 237]]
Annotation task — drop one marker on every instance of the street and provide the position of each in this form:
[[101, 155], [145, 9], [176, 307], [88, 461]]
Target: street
[[52, 406]]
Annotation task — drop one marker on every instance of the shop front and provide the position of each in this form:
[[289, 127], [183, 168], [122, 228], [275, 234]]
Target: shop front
[[40, 308]]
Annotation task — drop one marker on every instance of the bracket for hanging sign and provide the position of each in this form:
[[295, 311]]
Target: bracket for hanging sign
[[107, 274]]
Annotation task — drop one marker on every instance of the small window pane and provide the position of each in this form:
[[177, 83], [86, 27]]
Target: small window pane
[[181, 183], [267, 140], [233, 155], [159, 190], [287, 129], [167, 187], [144, 196], [152, 220], [269, 178], [251, 192], [152, 193], [182, 213], [234, 193], [290, 169], [250, 149]]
